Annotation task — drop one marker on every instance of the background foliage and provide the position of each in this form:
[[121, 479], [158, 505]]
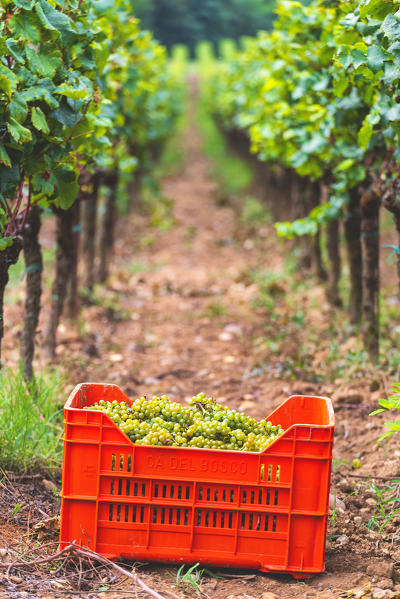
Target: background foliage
[[190, 21]]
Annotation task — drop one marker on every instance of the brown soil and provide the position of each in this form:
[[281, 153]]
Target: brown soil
[[178, 317]]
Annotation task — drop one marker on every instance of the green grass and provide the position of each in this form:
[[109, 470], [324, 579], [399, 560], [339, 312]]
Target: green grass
[[173, 155], [17, 273], [232, 173], [255, 212], [31, 422], [137, 267], [215, 310]]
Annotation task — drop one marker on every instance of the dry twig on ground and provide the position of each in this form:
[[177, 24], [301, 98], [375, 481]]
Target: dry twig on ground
[[70, 554]]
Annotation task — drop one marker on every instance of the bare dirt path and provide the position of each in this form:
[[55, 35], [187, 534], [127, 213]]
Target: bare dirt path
[[178, 317]]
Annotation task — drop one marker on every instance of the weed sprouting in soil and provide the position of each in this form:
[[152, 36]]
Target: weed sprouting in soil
[[31, 421], [192, 577], [387, 504], [391, 404]]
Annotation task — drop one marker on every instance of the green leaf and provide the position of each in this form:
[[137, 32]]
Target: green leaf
[[365, 133], [376, 412], [8, 80], [60, 21], [65, 115], [67, 173], [42, 185], [39, 120], [4, 157], [67, 185], [25, 4], [15, 50], [375, 9], [358, 58], [393, 114], [395, 426], [340, 85], [345, 164], [75, 93], [40, 92], [66, 194], [44, 62], [376, 58], [392, 73], [5, 242], [9, 179], [391, 28], [19, 133], [45, 21], [25, 26], [102, 6], [18, 107]]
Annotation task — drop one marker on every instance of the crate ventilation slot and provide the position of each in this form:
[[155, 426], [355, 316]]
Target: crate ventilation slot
[[128, 488], [171, 491], [120, 460], [215, 494], [173, 516], [126, 513], [270, 473]]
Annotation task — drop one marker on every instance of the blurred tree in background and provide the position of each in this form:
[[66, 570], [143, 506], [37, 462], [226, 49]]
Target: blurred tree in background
[[191, 21]]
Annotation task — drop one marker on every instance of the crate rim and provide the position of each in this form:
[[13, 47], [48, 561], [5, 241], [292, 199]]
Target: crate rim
[[329, 425]]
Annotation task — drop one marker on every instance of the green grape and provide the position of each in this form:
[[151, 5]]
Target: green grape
[[203, 424]]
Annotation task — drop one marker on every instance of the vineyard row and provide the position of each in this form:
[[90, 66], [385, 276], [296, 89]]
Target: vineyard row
[[318, 102], [87, 100]]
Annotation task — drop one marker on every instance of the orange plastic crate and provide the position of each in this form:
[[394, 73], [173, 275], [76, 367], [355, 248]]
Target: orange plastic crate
[[266, 511]]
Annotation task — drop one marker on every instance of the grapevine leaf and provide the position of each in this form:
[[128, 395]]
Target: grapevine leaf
[[15, 50], [8, 80], [365, 134], [391, 28], [74, 92], [66, 193], [39, 120], [375, 9], [395, 49], [9, 179], [392, 73], [44, 63], [42, 185], [66, 176], [345, 164], [393, 113], [376, 58], [5, 85], [19, 133], [18, 107], [358, 58], [65, 116], [5, 242], [4, 157], [59, 21], [25, 4], [25, 26], [45, 21], [40, 92], [102, 6], [340, 85]]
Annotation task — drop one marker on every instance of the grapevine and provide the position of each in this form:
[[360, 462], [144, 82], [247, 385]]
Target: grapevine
[[317, 99], [203, 424]]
